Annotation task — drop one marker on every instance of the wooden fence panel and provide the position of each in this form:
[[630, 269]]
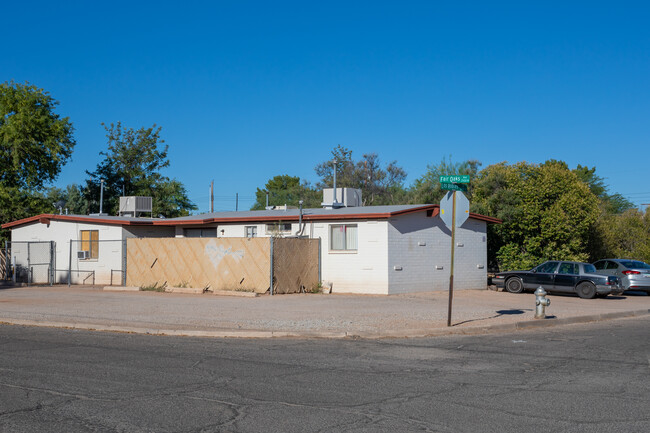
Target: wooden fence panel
[[295, 264], [215, 263]]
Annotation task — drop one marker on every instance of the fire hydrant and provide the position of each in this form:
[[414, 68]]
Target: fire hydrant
[[541, 302]]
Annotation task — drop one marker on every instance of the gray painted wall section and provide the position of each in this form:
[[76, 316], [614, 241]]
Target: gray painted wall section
[[419, 254]]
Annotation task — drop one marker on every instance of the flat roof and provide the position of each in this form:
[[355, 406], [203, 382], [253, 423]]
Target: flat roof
[[263, 216]]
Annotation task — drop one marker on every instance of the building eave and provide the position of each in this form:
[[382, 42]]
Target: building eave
[[432, 211]]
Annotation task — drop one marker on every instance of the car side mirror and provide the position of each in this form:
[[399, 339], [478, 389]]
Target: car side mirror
[[534, 270]]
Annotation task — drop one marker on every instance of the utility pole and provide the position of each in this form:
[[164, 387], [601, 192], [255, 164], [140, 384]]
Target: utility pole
[[212, 196], [236, 202]]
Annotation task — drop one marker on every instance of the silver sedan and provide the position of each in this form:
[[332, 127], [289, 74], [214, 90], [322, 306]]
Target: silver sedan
[[634, 274]]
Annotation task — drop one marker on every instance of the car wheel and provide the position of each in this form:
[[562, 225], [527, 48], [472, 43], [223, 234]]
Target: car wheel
[[586, 290], [514, 285]]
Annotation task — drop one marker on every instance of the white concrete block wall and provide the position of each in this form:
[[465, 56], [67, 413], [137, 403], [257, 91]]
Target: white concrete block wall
[[361, 271], [419, 254], [110, 253]]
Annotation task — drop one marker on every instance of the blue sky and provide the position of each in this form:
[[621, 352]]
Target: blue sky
[[248, 90]]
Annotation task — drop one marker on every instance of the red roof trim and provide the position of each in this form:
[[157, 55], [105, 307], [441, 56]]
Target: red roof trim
[[434, 209], [485, 218], [74, 218]]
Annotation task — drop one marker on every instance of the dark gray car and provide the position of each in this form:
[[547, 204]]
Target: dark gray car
[[634, 274], [557, 276]]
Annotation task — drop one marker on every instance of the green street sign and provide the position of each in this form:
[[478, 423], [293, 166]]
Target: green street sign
[[459, 178], [453, 186]]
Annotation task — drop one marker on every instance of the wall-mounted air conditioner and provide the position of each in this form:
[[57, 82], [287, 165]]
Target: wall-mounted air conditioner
[[82, 255]]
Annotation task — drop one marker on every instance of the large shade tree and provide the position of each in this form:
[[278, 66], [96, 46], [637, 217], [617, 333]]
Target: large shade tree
[[547, 213], [35, 144], [132, 166], [379, 186], [286, 190]]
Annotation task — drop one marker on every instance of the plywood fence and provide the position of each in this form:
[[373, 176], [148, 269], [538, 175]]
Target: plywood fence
[[242, 264]]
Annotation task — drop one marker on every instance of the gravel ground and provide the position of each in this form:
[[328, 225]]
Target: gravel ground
[[302, 313]]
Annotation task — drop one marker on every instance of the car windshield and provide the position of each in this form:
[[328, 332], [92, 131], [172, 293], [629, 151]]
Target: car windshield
[[589, 269], [634, 264]]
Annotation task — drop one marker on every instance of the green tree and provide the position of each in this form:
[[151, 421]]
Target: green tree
[[285, 189], [379, 186], [613, 203], [547, 213], [70, 199], [426, 189], [625, 235], [132, 165], [35, 143]]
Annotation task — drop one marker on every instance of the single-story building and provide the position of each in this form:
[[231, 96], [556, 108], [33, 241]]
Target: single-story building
[[364, 249]]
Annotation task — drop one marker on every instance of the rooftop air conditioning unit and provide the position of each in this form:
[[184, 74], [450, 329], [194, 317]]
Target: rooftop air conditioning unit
[[82, 255], [133, 206], [345, 197]]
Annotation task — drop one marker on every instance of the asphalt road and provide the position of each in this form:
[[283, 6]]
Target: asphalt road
[[580, 378]]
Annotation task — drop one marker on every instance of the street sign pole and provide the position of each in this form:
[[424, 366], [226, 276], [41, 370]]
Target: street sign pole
[[453, 183], [451, 268]]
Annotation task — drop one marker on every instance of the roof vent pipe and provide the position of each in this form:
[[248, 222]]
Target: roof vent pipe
[[301, 228], [101, 195], [335, 200]]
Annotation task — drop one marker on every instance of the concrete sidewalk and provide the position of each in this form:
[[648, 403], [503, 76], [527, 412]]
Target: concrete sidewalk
[[309, 315]]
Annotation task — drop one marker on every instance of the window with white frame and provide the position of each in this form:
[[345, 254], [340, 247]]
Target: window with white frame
[[278, 228], [251, 231], [343, 237]]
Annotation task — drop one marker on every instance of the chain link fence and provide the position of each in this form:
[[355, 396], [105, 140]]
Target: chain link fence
[[29, 262], [96, 262]]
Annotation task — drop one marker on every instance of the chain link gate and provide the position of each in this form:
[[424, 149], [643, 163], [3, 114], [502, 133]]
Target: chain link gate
[[30, 262]]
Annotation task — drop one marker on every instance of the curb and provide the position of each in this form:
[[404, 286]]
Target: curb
[[185, 290], [409, 333], [120, 289], [235, 293]]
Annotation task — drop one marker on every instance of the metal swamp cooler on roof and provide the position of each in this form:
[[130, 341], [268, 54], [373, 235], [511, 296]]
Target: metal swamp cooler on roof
[[134, 206]]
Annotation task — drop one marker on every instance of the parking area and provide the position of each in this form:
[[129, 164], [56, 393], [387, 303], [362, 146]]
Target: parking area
[[324, 315]]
